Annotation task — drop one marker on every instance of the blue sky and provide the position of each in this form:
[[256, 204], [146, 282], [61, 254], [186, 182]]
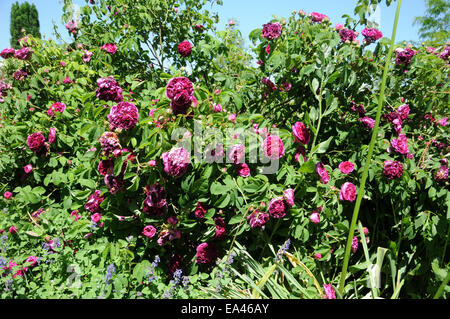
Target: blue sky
[[250, 14]]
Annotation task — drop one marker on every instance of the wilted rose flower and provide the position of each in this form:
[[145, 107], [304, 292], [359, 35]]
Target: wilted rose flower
[[322, 172], [7, 53], [184, 48], [176, 161], [257, 219], [123, 116], [155, 203], [392, 169], [94, 201], [301, 133], [271, 30], [278, 207], [109, 47], [20, 75], [56, 107], [348, 192], [109, 142], [346, 167], [441, 174], [273, 147], [149, 231], [371, 35]]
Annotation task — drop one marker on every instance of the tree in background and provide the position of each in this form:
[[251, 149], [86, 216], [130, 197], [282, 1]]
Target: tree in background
[[435, 24], [23, 17]]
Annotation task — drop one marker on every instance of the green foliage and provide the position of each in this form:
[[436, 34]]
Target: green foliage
[[24, 20], [434, 26]]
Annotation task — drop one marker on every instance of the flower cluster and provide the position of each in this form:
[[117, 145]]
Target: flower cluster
[[7, 53], [23, 54]]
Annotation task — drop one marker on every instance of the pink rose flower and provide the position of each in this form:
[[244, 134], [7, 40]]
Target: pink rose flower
[[28, 168], [149, 231], [322, 172], [176, 161], [301, 133], [206, 253], [7, 195], [184, 48], [278, 207], [348, 192], [315, 217], [289, 196], [109, 47], [243, 170], [273, 147], [329, 291], [95, 218], [271, 31], [346, 167]]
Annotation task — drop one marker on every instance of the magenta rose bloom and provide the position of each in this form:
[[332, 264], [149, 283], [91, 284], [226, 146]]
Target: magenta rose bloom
[[51, 135], [445, 53], [109, 90], [123, 116], [155, 203], [176, 161], [71, 26], [322, 172], [393, 169], [149, 231], [371, 35], [271, 30], [278, 207], [243, 170], [346, 167], [110, 48], [315, 217], [106, 166], [400, 144], [181, 103], [56, 107], [200, 210], [28, 168], [257, 219], [273, 147], [329, 291], [289, 197], [185, 48], [110, 143], [318, 17], [94, 201], [114, 183], [220, 228], [301, 133], [348, 192], [347, 35], [403, 111], [7, 195], [7, 53], [237, 153], [36, 143], [367, 122], [23, 54], [206, 253], [177, 86], [87, 56], [404, 56]]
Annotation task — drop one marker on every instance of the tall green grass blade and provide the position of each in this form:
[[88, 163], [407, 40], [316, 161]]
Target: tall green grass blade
[[369, 155]]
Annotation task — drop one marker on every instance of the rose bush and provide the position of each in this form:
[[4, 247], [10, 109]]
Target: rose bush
[[138, 176]]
